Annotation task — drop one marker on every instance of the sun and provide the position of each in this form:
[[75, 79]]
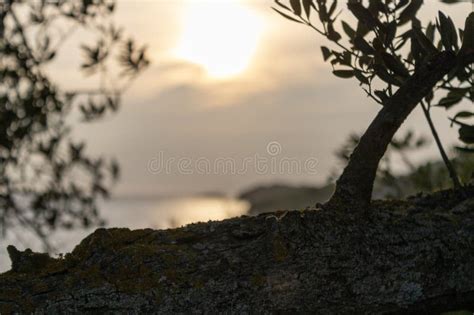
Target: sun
[[221, 36]]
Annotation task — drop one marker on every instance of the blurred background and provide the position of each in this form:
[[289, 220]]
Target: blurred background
[[226, 80]]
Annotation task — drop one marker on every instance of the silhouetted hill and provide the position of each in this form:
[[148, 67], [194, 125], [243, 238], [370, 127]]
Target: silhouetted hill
[[285, 197]]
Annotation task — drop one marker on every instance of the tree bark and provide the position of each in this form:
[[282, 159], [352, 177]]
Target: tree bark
[[354, 186], [403, 257]]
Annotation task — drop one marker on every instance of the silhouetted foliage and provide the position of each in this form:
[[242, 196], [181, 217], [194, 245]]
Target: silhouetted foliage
[[399, 63], [47, 181]]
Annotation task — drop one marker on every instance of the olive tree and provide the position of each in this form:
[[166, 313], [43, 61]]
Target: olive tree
[[47, 181], [400, 63]]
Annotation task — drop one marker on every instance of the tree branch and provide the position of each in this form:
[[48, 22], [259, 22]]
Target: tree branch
[[354, 187], [451, 170]]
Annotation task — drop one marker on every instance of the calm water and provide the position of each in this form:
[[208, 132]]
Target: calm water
[[137, 214]]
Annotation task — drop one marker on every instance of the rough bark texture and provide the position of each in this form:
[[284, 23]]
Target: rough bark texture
[[411, 256], [354, 186]]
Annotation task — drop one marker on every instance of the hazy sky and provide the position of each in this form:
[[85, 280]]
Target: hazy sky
[[226, 79]]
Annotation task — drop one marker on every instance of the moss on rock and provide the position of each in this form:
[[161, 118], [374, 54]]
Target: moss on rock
[[401, 256]]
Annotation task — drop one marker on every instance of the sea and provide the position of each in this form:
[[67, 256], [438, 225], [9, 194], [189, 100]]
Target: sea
[[133, 213]]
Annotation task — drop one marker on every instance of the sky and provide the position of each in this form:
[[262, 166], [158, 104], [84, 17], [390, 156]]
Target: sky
[[231, 83]]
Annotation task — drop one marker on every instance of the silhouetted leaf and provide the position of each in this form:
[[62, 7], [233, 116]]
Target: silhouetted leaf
[[468, 36], [448, 32], [449, 100], [424, 42], [362, 45], [345, 74], [333, 34], [430, 32], [466, 134], [454, 1], [362, 29], [361, 77], [307, 7], [296, 6], [347, 58], [395, 65], [326, 53], [348, 30], [332, 8], [381, 95], [362, 14], [466, 150], [391, 30], [409, 12], [382, 73], [322, 11], [463, 114]]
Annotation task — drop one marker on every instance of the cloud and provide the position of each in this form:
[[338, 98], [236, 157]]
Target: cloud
[[287, 95]]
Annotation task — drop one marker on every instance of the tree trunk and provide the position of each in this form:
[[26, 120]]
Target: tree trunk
[[354, 186], [403, 257]]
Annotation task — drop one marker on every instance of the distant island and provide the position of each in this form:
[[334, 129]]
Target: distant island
[[285, 197]]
